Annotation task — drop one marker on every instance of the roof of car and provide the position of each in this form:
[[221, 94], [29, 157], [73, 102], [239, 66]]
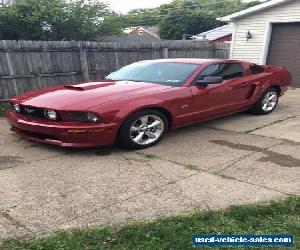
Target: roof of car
[[191, 60]]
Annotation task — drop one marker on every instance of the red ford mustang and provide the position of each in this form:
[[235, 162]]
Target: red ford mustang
[[136, 105]]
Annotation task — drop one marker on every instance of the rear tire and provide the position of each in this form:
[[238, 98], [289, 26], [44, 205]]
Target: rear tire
[[266, 103], [143, 129]]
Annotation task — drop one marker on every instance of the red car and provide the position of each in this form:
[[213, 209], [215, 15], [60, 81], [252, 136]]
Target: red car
[[136, 105]]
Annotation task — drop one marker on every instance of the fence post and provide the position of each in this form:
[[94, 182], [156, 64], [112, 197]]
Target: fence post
[[11, 72], [165, 52], [84, 65], [213, 50]]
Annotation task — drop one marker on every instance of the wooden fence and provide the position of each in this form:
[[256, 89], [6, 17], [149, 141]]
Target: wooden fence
[[29, 65]]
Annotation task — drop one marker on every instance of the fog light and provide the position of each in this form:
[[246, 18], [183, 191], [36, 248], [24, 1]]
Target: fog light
[[50, 114], [92, 117], [17, 107]]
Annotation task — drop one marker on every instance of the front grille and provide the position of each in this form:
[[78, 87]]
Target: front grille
[[34, 112]]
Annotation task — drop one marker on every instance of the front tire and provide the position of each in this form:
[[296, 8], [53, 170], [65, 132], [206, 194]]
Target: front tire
[[143, 129], [266, 103]]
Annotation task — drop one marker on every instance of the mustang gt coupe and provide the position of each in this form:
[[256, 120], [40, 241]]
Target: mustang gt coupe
[[138, 104]]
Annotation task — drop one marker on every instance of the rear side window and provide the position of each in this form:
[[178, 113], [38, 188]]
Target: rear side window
[[255, 69], [225, 70]]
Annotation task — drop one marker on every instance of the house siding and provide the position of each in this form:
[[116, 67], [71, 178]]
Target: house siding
[[257, 24]]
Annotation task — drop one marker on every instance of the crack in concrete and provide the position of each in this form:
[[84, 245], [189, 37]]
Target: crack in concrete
[[263, 136], [157, 188], [214, 173], [9, 161], [16, 223], [121, 201], [272, 123]]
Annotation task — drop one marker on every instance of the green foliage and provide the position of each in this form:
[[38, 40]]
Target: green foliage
[[175, 232], [181, 22], [3, 107], [56, 20], [89, 19], [184, 16]]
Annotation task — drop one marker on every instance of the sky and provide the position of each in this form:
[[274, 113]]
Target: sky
[[124, 6]]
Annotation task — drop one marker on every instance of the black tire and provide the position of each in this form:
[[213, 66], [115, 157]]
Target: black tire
[[258, 109], [124, 135]]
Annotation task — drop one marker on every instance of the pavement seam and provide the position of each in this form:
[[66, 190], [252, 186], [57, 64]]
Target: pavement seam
[[15, 222], [121, 201], [234, 179], [244, 133], [235, 161], [159, 187], [270, 124]]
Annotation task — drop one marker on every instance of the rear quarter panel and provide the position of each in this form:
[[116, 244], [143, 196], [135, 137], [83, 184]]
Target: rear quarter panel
[[273, 76], [280, 75]]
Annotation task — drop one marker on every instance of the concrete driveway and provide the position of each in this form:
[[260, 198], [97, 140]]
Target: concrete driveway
[[235, 160]]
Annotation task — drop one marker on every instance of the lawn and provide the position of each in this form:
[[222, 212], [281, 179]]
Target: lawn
[[175, 232], [3, 107]]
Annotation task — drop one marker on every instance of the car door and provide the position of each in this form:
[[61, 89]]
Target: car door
[[215, 99]]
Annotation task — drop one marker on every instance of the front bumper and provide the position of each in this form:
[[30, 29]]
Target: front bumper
[[64, 134]]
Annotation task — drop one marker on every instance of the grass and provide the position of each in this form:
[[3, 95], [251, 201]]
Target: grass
[[191, 167], [3, 107], [227, 177], [176, 232], [149, 156]]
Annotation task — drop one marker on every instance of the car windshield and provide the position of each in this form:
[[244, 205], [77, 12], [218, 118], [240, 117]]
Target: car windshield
[[166, 73]]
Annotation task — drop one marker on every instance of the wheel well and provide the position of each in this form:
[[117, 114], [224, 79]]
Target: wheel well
[[277, 88], [166, 113]]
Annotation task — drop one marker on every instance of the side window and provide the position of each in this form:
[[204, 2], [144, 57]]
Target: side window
[[255, 69], [225, 70]]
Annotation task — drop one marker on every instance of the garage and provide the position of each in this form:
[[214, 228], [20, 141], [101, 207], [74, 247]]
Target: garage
[[284, 48], [268, 33]]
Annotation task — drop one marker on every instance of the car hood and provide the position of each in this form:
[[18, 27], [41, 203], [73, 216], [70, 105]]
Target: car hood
[[85, 95]]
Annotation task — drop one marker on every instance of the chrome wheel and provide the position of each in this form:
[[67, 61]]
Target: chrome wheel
[[147, 129], [270, 101]]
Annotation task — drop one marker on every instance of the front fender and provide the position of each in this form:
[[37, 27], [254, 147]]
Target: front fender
[[133, 106], [118, 111]]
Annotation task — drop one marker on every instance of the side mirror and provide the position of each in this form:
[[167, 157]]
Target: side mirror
[[209, 80]]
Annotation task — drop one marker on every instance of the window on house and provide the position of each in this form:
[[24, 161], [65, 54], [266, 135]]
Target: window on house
[[224, 70]]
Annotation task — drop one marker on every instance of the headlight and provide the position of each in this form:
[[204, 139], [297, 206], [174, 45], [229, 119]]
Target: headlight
[[92, 117], [51, 114], [84, 117], [16, 107]]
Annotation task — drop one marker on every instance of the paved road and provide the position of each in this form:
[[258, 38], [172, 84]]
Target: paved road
[[235, 160]]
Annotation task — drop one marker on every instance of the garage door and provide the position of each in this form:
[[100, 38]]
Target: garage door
[[285, 49]]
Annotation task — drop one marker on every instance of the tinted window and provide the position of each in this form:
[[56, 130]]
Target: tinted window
[[255, 69], [174, 74], [225, 70]]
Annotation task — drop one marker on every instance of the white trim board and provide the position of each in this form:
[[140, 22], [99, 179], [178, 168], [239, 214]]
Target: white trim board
[[254, 9]]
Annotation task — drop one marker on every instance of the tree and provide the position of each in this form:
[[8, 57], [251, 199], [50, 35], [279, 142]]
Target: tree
[[181, 22], [56, 20], [195, 16], [184, 16]]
